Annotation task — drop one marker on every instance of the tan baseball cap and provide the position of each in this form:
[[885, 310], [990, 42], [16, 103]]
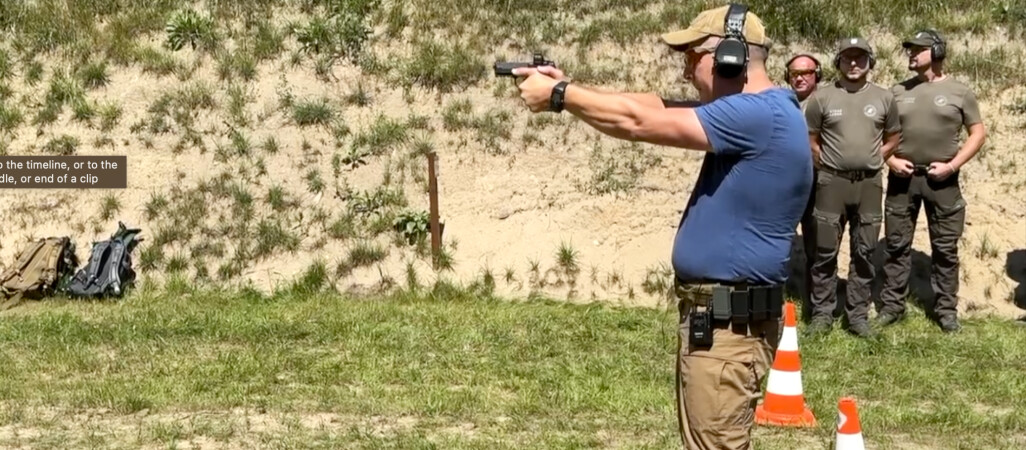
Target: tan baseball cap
[[711, 23]]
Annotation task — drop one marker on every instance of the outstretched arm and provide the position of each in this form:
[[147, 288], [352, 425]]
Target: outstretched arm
[[634, 116], [637, 117]]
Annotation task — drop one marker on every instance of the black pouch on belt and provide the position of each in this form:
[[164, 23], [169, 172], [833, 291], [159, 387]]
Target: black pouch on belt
[[760, 303], [721, 303], [739, 306]]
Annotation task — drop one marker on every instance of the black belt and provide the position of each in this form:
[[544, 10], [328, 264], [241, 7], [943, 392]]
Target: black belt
[[742, 302], [920, 170], [853, 175]]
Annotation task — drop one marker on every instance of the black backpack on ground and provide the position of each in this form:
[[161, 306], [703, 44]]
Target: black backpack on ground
[[108, 272]]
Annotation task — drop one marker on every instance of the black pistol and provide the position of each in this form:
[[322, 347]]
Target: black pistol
[[505, 68]]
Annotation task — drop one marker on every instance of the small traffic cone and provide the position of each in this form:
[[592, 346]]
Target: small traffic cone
[[784, 404], [849, 430]]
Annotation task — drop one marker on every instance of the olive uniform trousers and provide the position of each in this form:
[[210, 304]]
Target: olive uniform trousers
[[853, 197], [945, 216]]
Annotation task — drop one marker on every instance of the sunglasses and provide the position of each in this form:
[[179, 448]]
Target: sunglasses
[[802, 73]]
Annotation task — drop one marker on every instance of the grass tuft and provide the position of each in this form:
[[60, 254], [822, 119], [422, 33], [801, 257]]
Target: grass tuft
[[63, 145], [313, 112]]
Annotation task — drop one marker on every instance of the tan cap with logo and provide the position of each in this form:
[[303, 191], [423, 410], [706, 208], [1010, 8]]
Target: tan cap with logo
[[711, 23]]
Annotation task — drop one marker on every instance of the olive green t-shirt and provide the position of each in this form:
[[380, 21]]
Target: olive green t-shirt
[[932, 116], [851, 124]]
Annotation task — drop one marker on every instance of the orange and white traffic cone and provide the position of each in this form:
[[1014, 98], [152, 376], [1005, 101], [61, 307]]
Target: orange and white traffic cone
[[784, 404], [849, 430]]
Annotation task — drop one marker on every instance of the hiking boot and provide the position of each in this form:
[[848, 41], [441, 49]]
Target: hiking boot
[[862, 330], [950, 325], [820, 325], [888, 318]]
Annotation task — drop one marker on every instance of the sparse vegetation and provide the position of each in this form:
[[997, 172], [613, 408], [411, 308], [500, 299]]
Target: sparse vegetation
[[110, 206], [179, 107], [619, 170], [189, 27], [359, 96], [412, 226], [94, 75], [364, 253], [566, 257], [383, 134], [445, 68], [62, 145], [10, 118], [313, 112], [987, 249]]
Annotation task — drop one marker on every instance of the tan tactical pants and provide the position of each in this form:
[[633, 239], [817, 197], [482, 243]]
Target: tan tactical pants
[[719, 387]]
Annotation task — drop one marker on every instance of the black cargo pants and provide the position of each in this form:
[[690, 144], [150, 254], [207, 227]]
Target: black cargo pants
[[843, 197], [945, 217]]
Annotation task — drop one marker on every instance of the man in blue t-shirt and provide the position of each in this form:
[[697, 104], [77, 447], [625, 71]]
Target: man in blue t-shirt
[[736, 232]]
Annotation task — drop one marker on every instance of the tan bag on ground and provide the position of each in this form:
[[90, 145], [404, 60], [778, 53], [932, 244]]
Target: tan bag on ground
[[42, 268]]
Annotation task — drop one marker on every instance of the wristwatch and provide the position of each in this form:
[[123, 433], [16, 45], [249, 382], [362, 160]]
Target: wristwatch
[[556, 99]]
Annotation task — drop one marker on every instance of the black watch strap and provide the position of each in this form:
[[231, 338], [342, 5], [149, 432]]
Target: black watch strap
[[556, 99]]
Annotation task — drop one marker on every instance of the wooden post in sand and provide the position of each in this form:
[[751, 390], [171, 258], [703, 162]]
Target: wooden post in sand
[[436, 235]]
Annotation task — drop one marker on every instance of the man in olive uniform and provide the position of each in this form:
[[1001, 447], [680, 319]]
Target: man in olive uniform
[[933, 108], [803, 73], [853, 128]]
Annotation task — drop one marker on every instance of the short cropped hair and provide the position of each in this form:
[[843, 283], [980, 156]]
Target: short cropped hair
[[758, 53]]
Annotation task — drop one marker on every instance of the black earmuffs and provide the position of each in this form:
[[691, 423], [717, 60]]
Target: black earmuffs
[[938, 50], [731, 57]]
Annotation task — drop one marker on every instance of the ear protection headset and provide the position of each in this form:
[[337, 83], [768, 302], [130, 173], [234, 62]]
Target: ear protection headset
[[938, 50], [819, 69], [837, 60], [731, 57]]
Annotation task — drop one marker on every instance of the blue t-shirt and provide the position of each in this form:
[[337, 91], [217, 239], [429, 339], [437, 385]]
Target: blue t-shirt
[[751, 192]]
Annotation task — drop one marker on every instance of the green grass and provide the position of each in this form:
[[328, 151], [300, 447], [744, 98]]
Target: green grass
[[313, 112], [448, 369]]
